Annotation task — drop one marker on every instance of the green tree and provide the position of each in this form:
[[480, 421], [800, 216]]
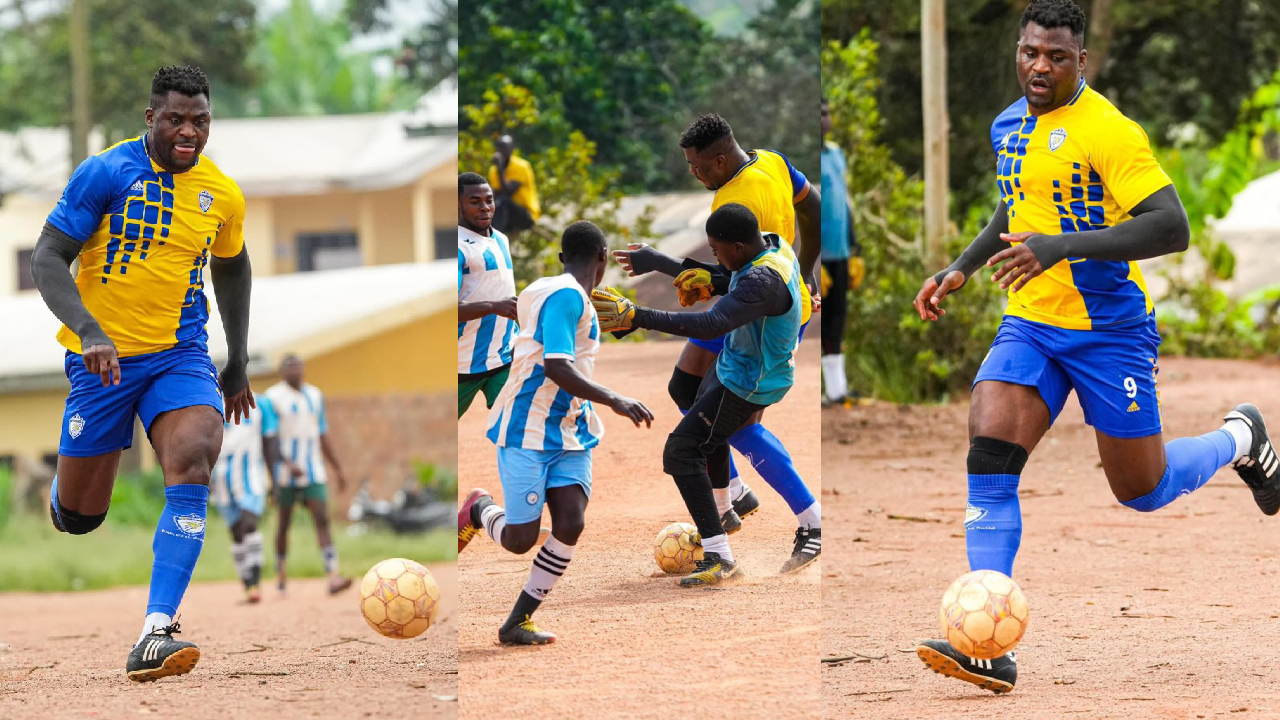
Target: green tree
[[429, 54], [626, 75], [570, 187]]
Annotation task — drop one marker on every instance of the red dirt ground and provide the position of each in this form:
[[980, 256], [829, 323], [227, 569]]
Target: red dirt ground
[[62, 656], [1171, 615], [631, 643]]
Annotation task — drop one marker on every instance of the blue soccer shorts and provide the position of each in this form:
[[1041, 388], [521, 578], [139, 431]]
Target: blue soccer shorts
[[715, 345], [528, 474], [99, 420], [1112, 370]]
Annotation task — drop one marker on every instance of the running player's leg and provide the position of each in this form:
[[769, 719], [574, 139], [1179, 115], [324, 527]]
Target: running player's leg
[[81, 492], [316, 502], [523, 474], [834, 311], [246, 552], [284, 518]]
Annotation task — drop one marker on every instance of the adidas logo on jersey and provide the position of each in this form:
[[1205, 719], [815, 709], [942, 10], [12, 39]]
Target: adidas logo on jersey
[[1133, 407], [137, 186]]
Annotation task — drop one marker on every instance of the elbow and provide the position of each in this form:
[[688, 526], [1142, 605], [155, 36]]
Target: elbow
[[1180, 234]]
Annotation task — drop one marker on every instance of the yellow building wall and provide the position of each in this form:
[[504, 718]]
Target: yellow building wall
[[31, 422], [393, 223]]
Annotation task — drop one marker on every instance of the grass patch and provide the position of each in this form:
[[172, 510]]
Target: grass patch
[[38, 558]]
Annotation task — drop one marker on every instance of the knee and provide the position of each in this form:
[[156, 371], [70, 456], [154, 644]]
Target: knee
[[191, 466], [989, 456], [72, 522], [683, 388], [567, 530], [520, 539], [682, 455]]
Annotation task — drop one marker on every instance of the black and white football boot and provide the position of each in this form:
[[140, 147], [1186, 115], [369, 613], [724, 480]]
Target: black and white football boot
[[1259, 467], [807, 548], [159, 655], [997, 674]]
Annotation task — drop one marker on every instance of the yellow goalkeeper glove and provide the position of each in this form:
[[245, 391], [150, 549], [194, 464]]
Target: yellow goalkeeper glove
[[857, 272], [693, 286], [614, 311]]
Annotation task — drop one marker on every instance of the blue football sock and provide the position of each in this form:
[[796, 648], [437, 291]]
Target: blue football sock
[[179, 538], [993, 522], [733, 469], [1190, 463], [770, 458]]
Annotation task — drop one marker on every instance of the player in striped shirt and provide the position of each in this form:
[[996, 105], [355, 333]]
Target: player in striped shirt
[[298, 450], [239, 489], [486, 296], [545, 425]]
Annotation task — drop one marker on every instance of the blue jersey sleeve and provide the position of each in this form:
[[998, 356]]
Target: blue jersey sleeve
[[270, 422], [462, 267], [323, 420], [85, 200], [799, 183], [557, 324]]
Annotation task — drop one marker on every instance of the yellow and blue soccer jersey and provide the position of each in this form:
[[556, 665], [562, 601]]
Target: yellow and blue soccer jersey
[[299, 421], [147, 235], [770, 187], [1081, 167], [557, 321], [485, 273]]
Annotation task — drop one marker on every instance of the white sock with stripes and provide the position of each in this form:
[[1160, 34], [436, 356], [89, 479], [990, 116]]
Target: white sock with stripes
[[1243, 435], [811, 517], [548, 566], [239, 555], [494, 520]]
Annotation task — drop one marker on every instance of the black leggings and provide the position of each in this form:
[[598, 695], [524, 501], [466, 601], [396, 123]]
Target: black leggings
[[835, 306]]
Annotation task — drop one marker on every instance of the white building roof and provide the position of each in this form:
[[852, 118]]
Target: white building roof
[[304, 313], [273, 156], [1255, 208]]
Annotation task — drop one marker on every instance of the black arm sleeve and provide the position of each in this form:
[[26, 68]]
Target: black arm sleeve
[[51, 271], [647, 259], [986, 244], [232, 279], [720, 276], [1158, 227], [759, 292]]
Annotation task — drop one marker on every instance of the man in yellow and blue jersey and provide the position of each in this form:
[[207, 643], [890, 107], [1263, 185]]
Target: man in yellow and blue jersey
[[144, 217], [1082, 199], [759, 318], [780, 198]]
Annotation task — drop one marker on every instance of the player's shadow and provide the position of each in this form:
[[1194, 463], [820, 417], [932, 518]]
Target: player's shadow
[[646, 591]]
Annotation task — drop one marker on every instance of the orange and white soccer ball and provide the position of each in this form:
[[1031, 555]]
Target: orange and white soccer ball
[[399, 598], [677, 548], [984, 614]]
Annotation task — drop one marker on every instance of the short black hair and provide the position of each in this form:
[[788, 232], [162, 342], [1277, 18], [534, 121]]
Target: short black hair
[[706, 131], [186, 79], [470, 178], [582, 241], [1051, 14], [733, 223]]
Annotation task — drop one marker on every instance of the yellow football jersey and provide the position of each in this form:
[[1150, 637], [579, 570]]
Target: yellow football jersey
[[770, 187], [519, 170], [1081, 167], [147, 236]]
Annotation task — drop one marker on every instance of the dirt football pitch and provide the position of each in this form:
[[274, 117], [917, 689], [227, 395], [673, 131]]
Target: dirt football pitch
[[304, 655], [1171, 615], [631, 643]]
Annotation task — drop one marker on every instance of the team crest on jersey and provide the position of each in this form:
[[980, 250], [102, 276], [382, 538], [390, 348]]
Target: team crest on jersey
[[1056, 138], [531, 498], [206, 200], [973, 514], [190, 524], [75, 426]]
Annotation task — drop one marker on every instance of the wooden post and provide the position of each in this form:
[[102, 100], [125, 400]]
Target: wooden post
[[81, 72], [933, 48]]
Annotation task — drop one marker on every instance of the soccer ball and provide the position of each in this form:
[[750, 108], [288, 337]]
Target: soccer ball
[[399, 598], [677, 548], [984, 614]]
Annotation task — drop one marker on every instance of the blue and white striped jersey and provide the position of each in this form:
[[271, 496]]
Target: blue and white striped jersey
[[484, 273], [301, 421], [557, 320], [240, 472]]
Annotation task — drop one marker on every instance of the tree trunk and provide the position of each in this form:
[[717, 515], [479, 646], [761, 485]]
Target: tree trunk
[[1099, 39], [81, 72], [933, 48]]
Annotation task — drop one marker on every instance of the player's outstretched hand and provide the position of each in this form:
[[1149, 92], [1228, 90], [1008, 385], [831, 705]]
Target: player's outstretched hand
[[1020, 264], [637, 259], [693, 286], [614, 311], [931, 294], [236, 395], [506, 307], [633, 409], [103, 360]]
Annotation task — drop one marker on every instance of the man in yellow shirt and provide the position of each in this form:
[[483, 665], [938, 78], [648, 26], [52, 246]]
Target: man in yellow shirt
[[516, 192]]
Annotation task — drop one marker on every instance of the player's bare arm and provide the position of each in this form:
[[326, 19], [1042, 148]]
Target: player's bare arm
[[809, 221], [564, 372], [51, 271], [232, 280], [326, 447], [986, 244], [1159, 226], [505, 307]]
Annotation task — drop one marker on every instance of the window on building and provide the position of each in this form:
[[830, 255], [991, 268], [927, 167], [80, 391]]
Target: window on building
[[24, 270], [328, 251], [446, 244]]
